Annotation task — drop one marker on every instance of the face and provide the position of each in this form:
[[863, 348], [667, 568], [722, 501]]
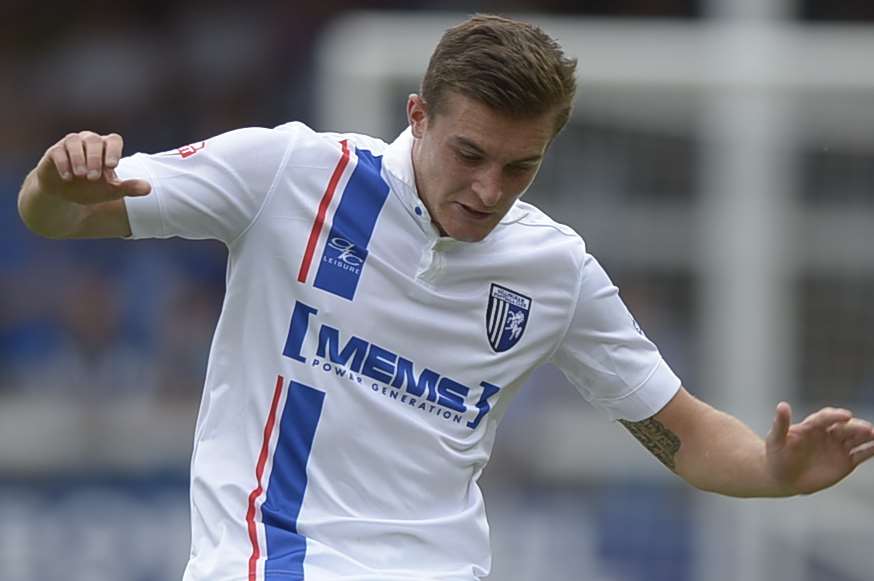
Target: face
[[472, 163]]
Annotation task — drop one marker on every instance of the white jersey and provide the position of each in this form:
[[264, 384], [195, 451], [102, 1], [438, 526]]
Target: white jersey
[[362, 362]]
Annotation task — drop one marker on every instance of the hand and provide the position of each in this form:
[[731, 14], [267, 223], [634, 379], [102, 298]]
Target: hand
[[819, 452], [80, 168]]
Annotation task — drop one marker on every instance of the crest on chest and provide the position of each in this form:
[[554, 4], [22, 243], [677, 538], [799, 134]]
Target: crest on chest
[[506, 317]]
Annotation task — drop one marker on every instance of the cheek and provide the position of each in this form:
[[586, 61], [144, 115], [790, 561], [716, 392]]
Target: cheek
[[456, 180], [516, 185]]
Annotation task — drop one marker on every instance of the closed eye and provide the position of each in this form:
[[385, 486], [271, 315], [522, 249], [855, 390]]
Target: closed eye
[[521, 168], [468, 156]]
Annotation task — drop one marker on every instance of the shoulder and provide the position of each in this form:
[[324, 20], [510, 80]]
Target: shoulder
[[530, 230], [524, 218], [250, 138], [315, 149], [232, 148]]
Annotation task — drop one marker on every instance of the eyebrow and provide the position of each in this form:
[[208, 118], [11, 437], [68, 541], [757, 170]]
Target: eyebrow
[[467, 143]]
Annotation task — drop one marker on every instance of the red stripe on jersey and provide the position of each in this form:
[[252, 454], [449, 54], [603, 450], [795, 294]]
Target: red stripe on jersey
[[259, 472], [320, 215]]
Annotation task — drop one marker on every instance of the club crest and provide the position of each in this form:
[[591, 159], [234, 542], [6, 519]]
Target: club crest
[[506, 317]]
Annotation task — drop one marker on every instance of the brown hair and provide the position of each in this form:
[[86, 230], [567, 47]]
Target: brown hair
[[511, 66]]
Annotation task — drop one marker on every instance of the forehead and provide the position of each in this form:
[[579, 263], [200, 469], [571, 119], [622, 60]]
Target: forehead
[[463, 121]]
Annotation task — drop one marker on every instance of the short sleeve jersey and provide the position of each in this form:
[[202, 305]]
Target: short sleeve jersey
[[361, 362]]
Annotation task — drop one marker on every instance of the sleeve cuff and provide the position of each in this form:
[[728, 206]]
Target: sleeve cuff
[[143, 212], [648, 399]]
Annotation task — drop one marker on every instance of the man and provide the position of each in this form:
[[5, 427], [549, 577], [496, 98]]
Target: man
[[384, 303]]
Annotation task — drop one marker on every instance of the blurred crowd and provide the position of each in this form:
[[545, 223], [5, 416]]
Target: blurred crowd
[[97, 319], [91, 319]]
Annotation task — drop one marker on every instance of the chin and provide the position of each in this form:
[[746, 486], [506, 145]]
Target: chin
[[460, 229], [469, 234]]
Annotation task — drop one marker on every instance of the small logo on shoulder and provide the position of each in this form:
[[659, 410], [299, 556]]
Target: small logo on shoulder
[[191, 149], [506, 317]]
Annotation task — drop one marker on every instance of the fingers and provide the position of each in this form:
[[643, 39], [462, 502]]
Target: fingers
[[826, 417], [113, 145], [93, 144], [85, 155], [75, 150], [780, 427], [862, 453], [852, 433], [61, 161]]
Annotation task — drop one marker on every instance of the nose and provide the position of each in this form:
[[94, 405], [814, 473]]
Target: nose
[[488, 188]]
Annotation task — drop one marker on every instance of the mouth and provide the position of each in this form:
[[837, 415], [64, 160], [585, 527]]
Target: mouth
[[474, 214]]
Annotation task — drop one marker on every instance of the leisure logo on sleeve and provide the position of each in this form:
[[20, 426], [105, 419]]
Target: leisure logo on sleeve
[[506, 317]]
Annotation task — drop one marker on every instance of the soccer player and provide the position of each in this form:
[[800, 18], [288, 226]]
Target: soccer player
[[384, 303]]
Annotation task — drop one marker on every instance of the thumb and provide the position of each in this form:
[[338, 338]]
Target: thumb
[[131, 187], [136, 187], [780, 427]]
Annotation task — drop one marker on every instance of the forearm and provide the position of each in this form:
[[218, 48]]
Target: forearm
[[47, 215], [716, 452], [711, 450], [729, 459]]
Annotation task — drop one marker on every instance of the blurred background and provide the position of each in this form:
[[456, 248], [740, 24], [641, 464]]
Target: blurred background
[[720, 164]]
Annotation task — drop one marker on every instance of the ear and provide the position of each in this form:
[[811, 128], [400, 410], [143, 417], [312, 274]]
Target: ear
[[417, 115]]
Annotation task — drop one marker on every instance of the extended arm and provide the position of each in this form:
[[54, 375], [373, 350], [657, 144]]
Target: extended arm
[[716, 452], [73, 191]]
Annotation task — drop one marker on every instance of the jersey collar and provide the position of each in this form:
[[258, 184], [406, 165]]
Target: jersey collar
[[397, 164], [398, 161]]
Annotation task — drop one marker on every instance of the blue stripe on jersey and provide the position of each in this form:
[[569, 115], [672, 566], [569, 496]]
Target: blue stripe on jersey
[[346, 248], [286, 548]]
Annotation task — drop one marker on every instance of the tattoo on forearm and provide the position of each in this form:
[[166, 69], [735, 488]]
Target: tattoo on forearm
[[655, 437]]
